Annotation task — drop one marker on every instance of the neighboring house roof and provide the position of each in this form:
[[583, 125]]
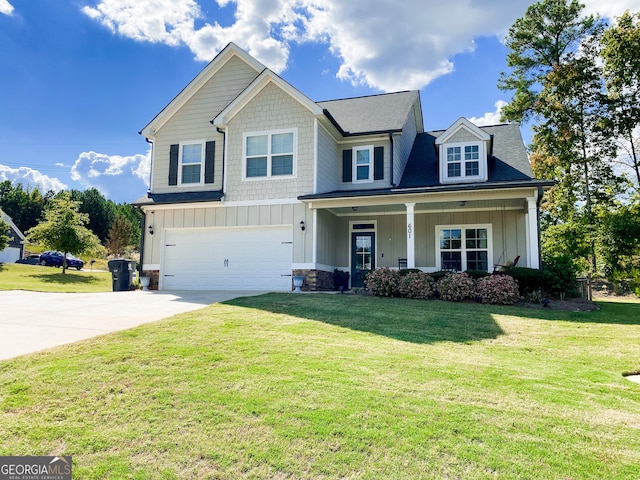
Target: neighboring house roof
[[377, 113], [508, 160], [7, 219], [179, 197]]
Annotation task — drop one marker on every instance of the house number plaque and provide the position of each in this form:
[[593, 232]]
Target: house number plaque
[[409, 230]]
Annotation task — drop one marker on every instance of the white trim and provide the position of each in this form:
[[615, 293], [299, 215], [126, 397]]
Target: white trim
[[151, 266], [354, 163], [463, 124], [221, 204], [269, 134], [463, 178], [533, 246], [315, 154], [463, 249], [314, 245], [411, 234], [202, 144]]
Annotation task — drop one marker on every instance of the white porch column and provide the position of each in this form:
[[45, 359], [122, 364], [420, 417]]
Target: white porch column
[[411, 246], [532, 231]]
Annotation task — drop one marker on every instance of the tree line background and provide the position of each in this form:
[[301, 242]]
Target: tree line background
[[116, 226], [576, 79]]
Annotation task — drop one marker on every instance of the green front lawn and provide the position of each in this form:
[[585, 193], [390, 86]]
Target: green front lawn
[[17, 276], [338, 386]]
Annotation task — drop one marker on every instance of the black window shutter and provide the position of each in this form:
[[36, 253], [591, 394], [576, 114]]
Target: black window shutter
[[209, 156], [347, 168], [378, 163], [173, 164]]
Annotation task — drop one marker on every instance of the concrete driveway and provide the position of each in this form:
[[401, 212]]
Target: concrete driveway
[[34, 321]]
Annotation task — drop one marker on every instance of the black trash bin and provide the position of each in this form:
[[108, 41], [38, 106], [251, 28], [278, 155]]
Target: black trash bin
[[122, 273]]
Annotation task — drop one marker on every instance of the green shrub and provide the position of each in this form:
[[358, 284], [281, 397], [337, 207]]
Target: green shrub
[[382, 282], [498, 290], [560, 274], [529, 279], [456, 287], [416, 285]]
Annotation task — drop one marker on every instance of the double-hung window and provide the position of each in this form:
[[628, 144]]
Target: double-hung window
[[269, 154], [463, 162], [463, 248], [363, 164], [191, 158]]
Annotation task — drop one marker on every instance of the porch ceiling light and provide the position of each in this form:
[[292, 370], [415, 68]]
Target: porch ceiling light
[[462, 203]]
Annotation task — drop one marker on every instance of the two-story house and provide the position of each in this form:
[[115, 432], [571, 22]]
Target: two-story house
[[252, 182]]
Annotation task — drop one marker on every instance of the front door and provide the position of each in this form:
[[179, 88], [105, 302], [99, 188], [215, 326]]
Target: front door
[[362, 256]]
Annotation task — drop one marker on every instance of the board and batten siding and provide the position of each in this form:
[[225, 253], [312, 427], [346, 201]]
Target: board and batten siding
[[192, 122], [208, 216]]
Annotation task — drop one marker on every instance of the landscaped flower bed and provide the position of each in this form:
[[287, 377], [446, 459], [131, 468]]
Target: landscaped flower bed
[[456, 287]]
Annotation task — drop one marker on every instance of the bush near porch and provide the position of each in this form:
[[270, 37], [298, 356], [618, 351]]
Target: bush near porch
[[456, 287]]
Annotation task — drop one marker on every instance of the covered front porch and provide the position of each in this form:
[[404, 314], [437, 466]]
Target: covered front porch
[[430, 231]]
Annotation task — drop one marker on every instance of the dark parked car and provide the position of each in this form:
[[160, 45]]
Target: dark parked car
[[52, 258], [33, 259]]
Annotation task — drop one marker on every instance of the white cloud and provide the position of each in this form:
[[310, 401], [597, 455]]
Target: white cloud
[[384, 44], [6, 7], [32, 178], [608, 8], [91, 165], [113, 175], [490, 118]]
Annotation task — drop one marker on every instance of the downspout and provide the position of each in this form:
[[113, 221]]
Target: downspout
[[392, 162], [224, 141]]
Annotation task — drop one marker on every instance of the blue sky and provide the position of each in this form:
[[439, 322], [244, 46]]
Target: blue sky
[[80, 78]]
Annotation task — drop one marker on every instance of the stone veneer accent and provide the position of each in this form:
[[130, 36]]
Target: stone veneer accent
[[155, 278], [314, 280]]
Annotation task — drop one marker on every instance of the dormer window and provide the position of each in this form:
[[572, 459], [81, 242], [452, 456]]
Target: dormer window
[[463, 161], [462, 150]]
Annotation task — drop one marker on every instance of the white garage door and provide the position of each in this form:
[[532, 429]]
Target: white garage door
[[9, 255], [227, 259]]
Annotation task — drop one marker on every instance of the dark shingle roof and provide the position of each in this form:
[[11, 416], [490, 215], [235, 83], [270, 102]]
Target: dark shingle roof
[[508, 160], [180, 197], [377, 113]]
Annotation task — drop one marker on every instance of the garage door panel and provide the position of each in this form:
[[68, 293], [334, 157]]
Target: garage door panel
[[227, 259]]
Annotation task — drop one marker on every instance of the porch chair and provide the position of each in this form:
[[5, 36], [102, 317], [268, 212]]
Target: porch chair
[[402, 263], [497, 268]]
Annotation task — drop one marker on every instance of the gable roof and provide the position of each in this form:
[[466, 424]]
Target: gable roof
[[376, 113], [462, 124], [7, 219], [508, 159], [226, 54], [265, 78]]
